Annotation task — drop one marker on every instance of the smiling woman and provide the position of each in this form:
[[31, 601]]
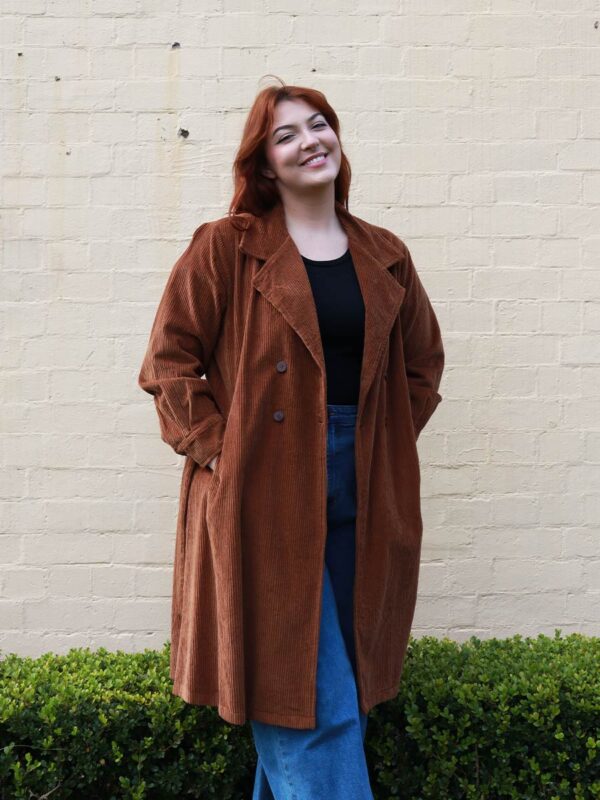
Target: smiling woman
[[296, 562], [304, 163]]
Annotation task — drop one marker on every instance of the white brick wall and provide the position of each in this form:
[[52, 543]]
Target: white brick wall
[[473, 131]]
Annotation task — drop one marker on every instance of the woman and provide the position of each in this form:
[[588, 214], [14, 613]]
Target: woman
[[299, 527]]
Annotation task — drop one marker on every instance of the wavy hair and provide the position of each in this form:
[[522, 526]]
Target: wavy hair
[[253, 192]]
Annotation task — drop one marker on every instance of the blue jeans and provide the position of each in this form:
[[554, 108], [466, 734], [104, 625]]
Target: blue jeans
[[327, 763]]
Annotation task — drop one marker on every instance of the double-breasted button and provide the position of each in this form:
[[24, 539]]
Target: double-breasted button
[[278, 415], [281, 366]]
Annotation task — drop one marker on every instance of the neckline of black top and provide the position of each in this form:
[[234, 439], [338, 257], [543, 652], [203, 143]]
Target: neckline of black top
[[328, 262]]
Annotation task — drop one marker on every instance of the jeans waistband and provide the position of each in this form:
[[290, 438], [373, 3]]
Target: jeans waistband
[[342, 410]]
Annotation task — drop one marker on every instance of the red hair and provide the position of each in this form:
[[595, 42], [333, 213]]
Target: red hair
[[253, 192]]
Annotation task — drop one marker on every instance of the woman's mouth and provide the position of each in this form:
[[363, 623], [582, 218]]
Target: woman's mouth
[[316, 161]]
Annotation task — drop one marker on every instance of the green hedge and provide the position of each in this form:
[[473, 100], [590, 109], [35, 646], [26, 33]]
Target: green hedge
[[483, 720]]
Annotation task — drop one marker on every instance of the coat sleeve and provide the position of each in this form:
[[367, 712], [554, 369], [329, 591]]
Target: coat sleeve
[[182, 339], [423, 347]]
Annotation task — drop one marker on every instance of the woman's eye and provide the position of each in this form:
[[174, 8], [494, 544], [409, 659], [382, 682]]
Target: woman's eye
[[319, 124]]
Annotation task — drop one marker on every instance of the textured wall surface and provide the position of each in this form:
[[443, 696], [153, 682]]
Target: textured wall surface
[[473, 131]]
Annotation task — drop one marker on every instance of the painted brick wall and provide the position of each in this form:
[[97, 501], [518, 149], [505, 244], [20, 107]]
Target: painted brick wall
[[473, 131]]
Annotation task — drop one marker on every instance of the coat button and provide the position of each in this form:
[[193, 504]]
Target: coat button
[[278, 416], [281, 366]]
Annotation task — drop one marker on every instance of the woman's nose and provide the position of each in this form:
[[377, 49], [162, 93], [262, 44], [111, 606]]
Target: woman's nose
[[309, 139]]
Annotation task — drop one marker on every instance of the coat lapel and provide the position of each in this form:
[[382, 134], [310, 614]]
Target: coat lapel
[[283, 281]]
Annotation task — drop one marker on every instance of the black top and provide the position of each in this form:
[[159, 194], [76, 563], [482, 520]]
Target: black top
[[341, 313]]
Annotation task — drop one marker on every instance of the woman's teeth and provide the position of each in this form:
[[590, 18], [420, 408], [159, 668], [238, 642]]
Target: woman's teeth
[[316, 160]]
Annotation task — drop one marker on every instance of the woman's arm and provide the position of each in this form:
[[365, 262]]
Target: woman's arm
[[423, 347], [182, 339]]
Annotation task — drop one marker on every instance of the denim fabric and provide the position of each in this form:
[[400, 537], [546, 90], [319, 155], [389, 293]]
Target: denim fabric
[[327, 763]]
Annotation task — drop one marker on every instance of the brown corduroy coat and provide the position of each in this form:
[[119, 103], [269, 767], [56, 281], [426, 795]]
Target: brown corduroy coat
[[249, 551]]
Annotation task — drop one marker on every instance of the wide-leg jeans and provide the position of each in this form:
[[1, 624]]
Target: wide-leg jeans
[[327, 763]]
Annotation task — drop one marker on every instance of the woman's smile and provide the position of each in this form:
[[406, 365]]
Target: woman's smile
[[316, 161]]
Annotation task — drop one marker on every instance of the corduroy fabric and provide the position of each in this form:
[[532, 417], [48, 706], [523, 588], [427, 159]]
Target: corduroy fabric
[[248, 569]]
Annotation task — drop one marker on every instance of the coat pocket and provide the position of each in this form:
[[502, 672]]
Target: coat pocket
[[214, 474], [213, 484], [181, 547], [385, 397]]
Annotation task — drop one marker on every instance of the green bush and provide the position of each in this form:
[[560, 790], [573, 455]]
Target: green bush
[[484, 720], [492, 720]]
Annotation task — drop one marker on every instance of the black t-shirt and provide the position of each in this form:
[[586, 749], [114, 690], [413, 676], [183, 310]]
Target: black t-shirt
[[341, 313]]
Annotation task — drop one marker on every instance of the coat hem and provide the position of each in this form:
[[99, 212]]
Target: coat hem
[[380, 697], [288, 720]]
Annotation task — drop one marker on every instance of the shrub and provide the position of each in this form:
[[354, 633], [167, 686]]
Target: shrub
[[514, 719]]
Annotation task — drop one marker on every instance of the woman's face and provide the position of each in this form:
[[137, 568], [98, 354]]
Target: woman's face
[[288, 148]]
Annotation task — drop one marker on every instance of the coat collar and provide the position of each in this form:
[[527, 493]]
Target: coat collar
[[282, 279], [264, 235]]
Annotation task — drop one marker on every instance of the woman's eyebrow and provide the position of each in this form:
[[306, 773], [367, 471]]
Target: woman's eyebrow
[[308, 119]]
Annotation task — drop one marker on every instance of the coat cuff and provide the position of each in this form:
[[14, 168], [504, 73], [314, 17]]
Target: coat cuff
[[205, 441]]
